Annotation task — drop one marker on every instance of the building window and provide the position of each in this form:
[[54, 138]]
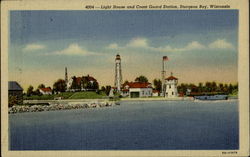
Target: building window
[[172, 93], [169, 86], [167, 94], [142, 92]]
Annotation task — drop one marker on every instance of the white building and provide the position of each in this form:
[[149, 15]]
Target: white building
[[45, 91], [137, 89], [171, 87]]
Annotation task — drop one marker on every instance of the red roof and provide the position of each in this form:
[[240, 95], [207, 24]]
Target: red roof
[[46, 89], [171, 78], [139, 85]]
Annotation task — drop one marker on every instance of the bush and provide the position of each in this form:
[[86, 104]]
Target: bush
[[12, 100]]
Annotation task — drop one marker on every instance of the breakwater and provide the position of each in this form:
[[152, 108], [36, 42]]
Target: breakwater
[[59, 106]]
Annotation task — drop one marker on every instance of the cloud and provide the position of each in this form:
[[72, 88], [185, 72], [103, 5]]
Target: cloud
[[142, 43], [112, 46], [220, 44], [33, 47], [73, 49], [138, 43], [194, 45]]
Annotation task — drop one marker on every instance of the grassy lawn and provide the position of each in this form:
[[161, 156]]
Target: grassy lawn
[[87, 95], [67, 95], [37, 97]]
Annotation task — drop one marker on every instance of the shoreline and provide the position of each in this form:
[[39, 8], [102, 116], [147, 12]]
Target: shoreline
[[68, 104], [59, 106]]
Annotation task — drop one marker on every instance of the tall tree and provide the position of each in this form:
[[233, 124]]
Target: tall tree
[[208, 87], [213, 86], [200, 87], [141, 79], [60, 85], [107, 90], [157, 84], [30, 90]]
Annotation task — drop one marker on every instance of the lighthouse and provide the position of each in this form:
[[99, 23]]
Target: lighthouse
[[118, 73]]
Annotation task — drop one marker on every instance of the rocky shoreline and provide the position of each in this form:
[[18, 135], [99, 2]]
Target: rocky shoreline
[[59, 106]]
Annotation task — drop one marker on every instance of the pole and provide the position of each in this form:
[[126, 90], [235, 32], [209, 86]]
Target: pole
[[163, 79]]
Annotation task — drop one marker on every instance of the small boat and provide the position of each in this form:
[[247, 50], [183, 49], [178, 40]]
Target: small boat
[[211, 97]]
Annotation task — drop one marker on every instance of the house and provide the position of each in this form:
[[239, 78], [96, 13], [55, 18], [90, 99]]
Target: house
[[45, 91], [84, 83], [137, 89], [14, 89], [171, 87]]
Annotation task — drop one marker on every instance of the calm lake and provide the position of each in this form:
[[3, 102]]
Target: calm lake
[[137, 125]]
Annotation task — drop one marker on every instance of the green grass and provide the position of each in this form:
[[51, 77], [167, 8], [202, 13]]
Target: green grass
[[37, 97], [65, 95], [234, 93], [87, 95]]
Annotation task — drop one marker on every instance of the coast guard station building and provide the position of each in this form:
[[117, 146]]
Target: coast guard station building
[[137, 89]]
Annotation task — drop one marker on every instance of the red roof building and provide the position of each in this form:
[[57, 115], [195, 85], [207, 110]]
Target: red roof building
[[137, 89], [46, 91]]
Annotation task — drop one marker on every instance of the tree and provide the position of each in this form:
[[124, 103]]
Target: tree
[[30, 90], [221, 87], [141, 79], [60, 85], [95, 85], [107, 90], [41, 86], [213, 86], [182, 88], [103, 88], [157, 84], [230, 88], [200, 87], [126, 82], [208, 87], [37, 92], [12, 100]]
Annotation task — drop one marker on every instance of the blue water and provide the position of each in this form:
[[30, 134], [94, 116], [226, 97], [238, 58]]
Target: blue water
[[144, 125]]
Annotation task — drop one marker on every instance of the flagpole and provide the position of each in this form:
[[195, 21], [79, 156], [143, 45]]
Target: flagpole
[[163, 77]]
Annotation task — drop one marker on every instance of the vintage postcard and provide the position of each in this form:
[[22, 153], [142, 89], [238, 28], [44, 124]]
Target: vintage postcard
[[135, 78]]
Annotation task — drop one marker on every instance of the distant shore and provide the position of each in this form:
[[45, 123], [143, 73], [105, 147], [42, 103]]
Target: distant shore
[[158, 99]]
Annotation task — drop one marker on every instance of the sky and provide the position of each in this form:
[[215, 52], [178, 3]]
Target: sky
[[202, 45]]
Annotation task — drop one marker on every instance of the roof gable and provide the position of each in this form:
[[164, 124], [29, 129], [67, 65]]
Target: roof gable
[[139, 85], [171, 78], [46, 89], [13, 85]]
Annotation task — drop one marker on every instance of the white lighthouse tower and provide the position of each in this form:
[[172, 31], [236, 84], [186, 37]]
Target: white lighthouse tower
[[171, 86], [118, 73]]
